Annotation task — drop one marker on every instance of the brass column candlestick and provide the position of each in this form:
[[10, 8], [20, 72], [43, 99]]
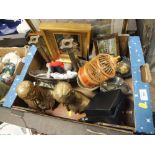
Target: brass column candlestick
[[68, 45], [36, 97]]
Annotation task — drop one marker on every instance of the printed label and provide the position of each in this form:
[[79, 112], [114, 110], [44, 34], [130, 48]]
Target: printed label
[[143, 94], [143, 105]]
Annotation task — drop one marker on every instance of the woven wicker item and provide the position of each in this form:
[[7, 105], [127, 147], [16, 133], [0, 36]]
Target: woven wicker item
[[99, 69]]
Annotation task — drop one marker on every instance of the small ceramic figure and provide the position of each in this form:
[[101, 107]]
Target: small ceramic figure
[[7, 72], [56, 66]]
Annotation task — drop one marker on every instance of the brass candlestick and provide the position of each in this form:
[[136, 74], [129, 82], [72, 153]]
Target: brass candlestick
[[36, 97], [73, 100]]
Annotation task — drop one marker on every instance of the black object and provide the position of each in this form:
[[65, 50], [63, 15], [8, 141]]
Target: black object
[[13, 40], [57, 69], [105, 107]]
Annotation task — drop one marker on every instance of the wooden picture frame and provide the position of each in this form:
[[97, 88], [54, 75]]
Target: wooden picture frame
[[50, 31], [107, 44]]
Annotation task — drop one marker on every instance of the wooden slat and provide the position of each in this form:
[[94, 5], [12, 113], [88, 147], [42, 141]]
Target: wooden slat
[[72, 27]]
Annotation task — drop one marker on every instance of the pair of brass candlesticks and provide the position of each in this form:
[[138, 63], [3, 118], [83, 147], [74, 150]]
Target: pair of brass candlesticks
[[44, 99]]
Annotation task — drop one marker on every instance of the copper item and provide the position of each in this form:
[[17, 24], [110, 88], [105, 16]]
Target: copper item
[[123, 67], [99, 69]]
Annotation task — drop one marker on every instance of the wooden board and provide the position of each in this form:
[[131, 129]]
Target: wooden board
[[72, 27]]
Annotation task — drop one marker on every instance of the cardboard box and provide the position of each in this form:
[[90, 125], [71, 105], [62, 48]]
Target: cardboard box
[[21, 69], [20, 51], [25, 117]]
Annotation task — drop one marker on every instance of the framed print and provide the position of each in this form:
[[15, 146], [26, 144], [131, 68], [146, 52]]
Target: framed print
[[107, 44], [55, 33]]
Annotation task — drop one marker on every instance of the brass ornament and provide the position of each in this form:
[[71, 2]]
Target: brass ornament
[[73, 100], [36, 97], [61, 90], [123, 67], [99, 69]]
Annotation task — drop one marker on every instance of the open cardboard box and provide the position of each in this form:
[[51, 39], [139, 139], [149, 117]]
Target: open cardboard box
[[15, 111], [20, 51]]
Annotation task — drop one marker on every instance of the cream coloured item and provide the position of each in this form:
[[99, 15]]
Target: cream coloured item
[[36, 97], [11, 57], [73, 100]]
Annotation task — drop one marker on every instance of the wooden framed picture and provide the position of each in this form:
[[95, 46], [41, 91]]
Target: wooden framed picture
[[55, 33], [107, 44]]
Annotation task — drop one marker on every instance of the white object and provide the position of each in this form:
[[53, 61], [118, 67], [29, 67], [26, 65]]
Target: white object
[[68, 75], [143, 94], [11, 57], [23, 27], [10, 129]]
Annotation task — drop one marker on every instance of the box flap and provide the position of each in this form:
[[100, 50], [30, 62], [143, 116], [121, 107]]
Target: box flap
[[9, 100], [142, 98]]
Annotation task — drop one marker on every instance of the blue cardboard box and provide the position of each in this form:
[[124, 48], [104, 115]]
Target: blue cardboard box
[[11, 95], [142, 100]]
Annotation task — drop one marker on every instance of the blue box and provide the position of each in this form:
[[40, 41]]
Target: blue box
[[11, 95], [142, 99]]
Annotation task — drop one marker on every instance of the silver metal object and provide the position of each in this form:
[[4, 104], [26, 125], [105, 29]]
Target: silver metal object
[[115, 83]]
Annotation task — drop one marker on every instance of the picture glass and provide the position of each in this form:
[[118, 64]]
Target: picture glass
[[108, 46]]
